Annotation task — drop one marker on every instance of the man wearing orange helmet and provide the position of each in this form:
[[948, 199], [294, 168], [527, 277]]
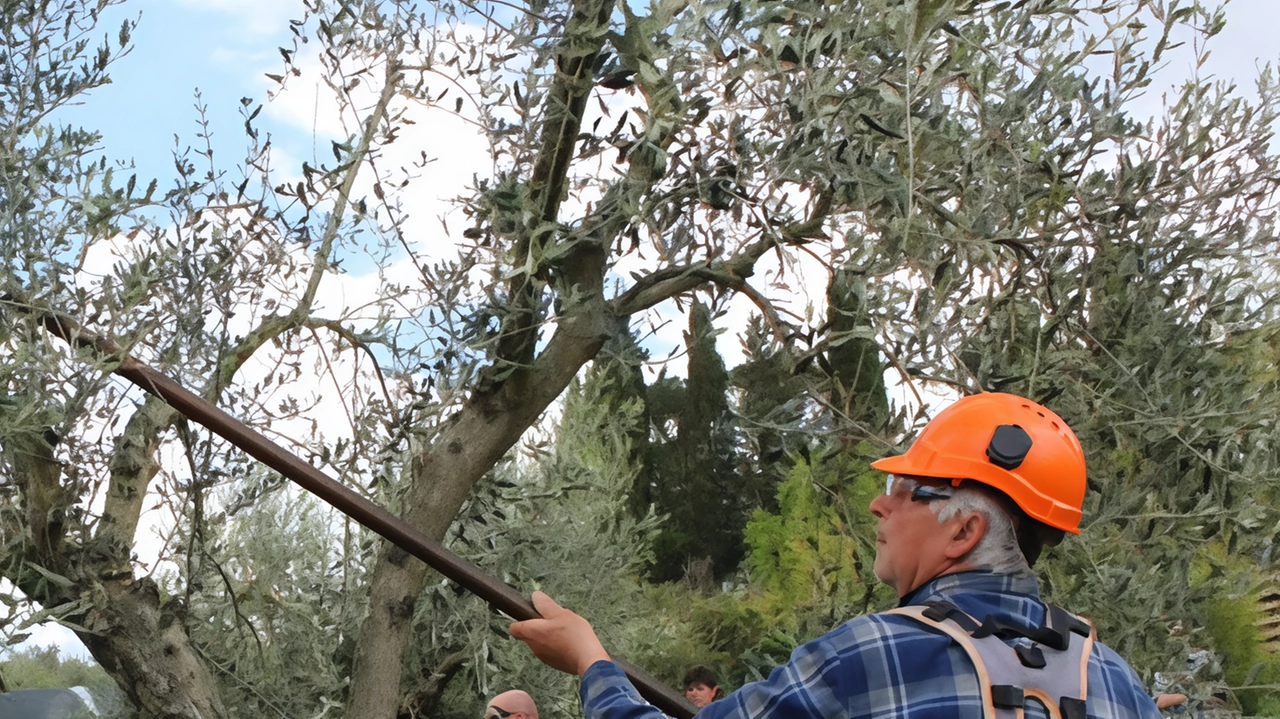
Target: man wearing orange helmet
[[990, 481]]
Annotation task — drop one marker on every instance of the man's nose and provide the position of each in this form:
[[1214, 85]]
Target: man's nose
[[878, 505]]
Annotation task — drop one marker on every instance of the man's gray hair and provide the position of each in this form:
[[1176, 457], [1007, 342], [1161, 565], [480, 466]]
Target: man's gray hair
[[998, 549]]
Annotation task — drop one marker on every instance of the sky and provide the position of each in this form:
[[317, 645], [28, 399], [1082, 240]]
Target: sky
[[223, 49], [219, 48]]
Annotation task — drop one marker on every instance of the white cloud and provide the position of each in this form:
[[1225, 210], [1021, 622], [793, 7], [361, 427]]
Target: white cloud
[[437, 151]]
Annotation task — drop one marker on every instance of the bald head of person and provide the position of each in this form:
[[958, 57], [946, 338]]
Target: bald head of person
[[515, 703]]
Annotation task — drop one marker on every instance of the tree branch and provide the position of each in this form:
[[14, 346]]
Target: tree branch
[[132, 467], [576, 55], [276, 325], [671, 281], [425, 702], [38, 475]]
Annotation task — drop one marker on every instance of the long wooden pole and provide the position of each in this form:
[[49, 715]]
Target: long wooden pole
[[498, 594]]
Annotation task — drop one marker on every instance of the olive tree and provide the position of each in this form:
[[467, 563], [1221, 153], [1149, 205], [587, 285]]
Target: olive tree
[[941, 164]]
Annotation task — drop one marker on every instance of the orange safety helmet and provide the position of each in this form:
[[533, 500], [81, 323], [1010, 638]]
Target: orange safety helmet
[[1006, 442]]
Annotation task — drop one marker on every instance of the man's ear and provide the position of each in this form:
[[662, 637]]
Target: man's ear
[[967, 530]]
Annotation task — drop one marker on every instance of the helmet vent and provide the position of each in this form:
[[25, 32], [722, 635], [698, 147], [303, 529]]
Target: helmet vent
[[1009, 446]]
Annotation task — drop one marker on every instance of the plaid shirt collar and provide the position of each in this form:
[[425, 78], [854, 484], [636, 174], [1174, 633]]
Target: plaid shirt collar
[[981, 592]]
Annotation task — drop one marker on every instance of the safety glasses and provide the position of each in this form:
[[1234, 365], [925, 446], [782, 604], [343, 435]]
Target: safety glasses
[[492, 712], [919, 492]]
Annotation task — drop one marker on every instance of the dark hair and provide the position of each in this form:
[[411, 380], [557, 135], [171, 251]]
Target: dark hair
[[701, 675]]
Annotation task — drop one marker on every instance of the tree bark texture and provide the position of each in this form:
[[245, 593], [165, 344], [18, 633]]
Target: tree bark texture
[[144, 645]]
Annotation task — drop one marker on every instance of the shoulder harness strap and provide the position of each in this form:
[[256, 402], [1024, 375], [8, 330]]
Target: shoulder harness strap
[[1044, 664]]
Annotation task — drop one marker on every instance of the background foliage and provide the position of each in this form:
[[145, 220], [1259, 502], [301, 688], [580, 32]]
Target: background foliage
[[43, 668]]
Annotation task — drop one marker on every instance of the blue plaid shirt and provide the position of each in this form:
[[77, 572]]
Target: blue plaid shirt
[[889, 667]]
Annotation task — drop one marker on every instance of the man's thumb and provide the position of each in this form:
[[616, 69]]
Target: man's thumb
[[546, 606]]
